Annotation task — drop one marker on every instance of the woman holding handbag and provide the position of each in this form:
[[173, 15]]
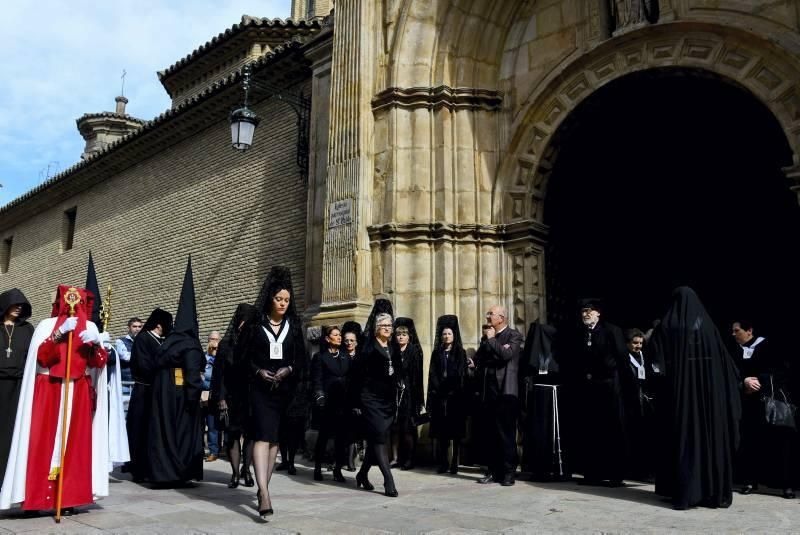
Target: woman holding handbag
[[765, 455]]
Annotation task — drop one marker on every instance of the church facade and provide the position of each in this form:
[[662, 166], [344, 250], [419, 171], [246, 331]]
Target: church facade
[[434, 130]]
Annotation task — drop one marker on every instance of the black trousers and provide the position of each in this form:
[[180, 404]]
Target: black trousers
[[502, 457]]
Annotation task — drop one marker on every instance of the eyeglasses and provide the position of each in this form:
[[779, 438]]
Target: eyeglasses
[[385, 326], [349, 342]]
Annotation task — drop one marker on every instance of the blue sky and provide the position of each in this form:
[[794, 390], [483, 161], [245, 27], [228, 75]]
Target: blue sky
[[62, 59]]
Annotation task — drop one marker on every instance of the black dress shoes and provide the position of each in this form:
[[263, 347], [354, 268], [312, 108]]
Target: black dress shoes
[[407, 466], [292, 471], [248, 479], [485, 480], [390, 490], [508, 480], [234, 481], [317, 474], [363, 482], [748, 489], [337, 476], [788, 494]]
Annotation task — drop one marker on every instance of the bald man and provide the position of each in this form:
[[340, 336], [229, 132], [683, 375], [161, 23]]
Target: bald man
[[499, 355]]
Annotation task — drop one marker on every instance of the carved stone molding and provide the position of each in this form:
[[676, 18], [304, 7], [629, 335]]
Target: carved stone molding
[[770, 74], [438, 97], [410, 233]]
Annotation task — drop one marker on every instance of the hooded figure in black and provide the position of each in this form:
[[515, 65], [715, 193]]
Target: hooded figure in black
[[412, 400], [595, 392], [276, 365], [376, 386], [699, 407], [447, 402], [140, 408], [229, 392], [15, 340], [175, 448], [544, 438]]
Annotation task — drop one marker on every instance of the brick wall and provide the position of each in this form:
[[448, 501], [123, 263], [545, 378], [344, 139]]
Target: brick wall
[[236, 214]]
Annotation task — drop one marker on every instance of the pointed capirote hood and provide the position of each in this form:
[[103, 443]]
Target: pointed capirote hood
[[186, 316], [94, 287]]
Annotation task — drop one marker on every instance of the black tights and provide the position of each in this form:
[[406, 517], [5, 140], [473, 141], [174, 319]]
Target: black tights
[[378, 454], [443, 445], [406, 433], [239, 453]]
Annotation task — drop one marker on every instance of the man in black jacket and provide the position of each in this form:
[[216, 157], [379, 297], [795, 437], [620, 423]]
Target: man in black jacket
[[499, 354]]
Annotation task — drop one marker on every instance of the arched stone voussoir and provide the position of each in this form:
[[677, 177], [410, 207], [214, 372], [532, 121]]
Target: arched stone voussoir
[[768, 71]]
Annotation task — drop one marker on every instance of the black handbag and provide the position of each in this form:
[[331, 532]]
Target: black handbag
[[779, 413], [224, 419]]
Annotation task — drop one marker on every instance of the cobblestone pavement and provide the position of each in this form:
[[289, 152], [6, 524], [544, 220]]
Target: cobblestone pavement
[[428, 503]]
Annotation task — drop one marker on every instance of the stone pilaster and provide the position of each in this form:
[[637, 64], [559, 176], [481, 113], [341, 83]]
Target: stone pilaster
[[346, 281]]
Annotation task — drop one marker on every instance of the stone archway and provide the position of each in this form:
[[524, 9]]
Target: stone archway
[[769, 73]]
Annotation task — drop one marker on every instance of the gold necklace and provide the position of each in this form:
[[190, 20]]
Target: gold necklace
[[10, 336]]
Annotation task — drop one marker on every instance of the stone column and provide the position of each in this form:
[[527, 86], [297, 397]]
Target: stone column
[[346, 282]]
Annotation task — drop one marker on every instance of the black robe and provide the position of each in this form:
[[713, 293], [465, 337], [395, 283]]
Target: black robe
[[699, 407], [640, 413], [413, 399], [175, 448], [544, 423], [376, 389], [597, 437], [447, 400], [12, 368], [143, 368], [229, 383]]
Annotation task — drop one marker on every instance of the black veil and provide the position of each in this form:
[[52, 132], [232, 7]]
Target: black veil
[[381, 306], [448, 321]]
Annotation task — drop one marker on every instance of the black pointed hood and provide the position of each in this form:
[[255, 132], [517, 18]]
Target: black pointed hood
[[186, 316], [94, 287], [15, 296], [538, 353]]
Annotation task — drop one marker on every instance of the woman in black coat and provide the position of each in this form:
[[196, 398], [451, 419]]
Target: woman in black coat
[[229, 392], [376, 379], [413, 399], [329, 373], [274, 351], [446, 393]]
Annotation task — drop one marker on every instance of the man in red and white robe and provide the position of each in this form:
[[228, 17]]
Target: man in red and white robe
[[35, 458]]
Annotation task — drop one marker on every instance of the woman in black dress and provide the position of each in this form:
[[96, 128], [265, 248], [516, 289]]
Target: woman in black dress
[[446, 399], [413, 399], [329, 370], [352, 335], [229, 393], [15, 339], [377, 376], [275, 349]]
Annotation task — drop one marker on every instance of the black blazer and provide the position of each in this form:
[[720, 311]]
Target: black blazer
[[329, 375], [256, 354], [502, 360]]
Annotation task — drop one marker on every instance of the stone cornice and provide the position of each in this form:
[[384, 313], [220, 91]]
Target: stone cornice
[[438, 97], [469, 233], [108, 115]]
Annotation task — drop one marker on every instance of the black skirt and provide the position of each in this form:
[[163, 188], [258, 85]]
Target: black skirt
[[266, 407], [377, 415]]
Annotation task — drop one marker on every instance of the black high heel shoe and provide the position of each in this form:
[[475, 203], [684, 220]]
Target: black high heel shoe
[[337, 476], [363, 482], [390, 490], [248, 479], [234, 481]]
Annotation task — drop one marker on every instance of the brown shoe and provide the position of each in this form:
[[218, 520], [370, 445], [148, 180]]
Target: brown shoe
[[211, 458]]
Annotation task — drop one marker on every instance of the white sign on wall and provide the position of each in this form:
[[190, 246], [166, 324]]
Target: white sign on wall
[[341, 213]]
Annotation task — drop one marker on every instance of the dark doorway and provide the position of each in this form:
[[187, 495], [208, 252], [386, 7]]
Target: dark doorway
[[672, 177]]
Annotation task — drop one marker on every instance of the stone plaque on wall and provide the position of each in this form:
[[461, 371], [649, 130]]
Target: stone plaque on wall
[[340, 213]]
